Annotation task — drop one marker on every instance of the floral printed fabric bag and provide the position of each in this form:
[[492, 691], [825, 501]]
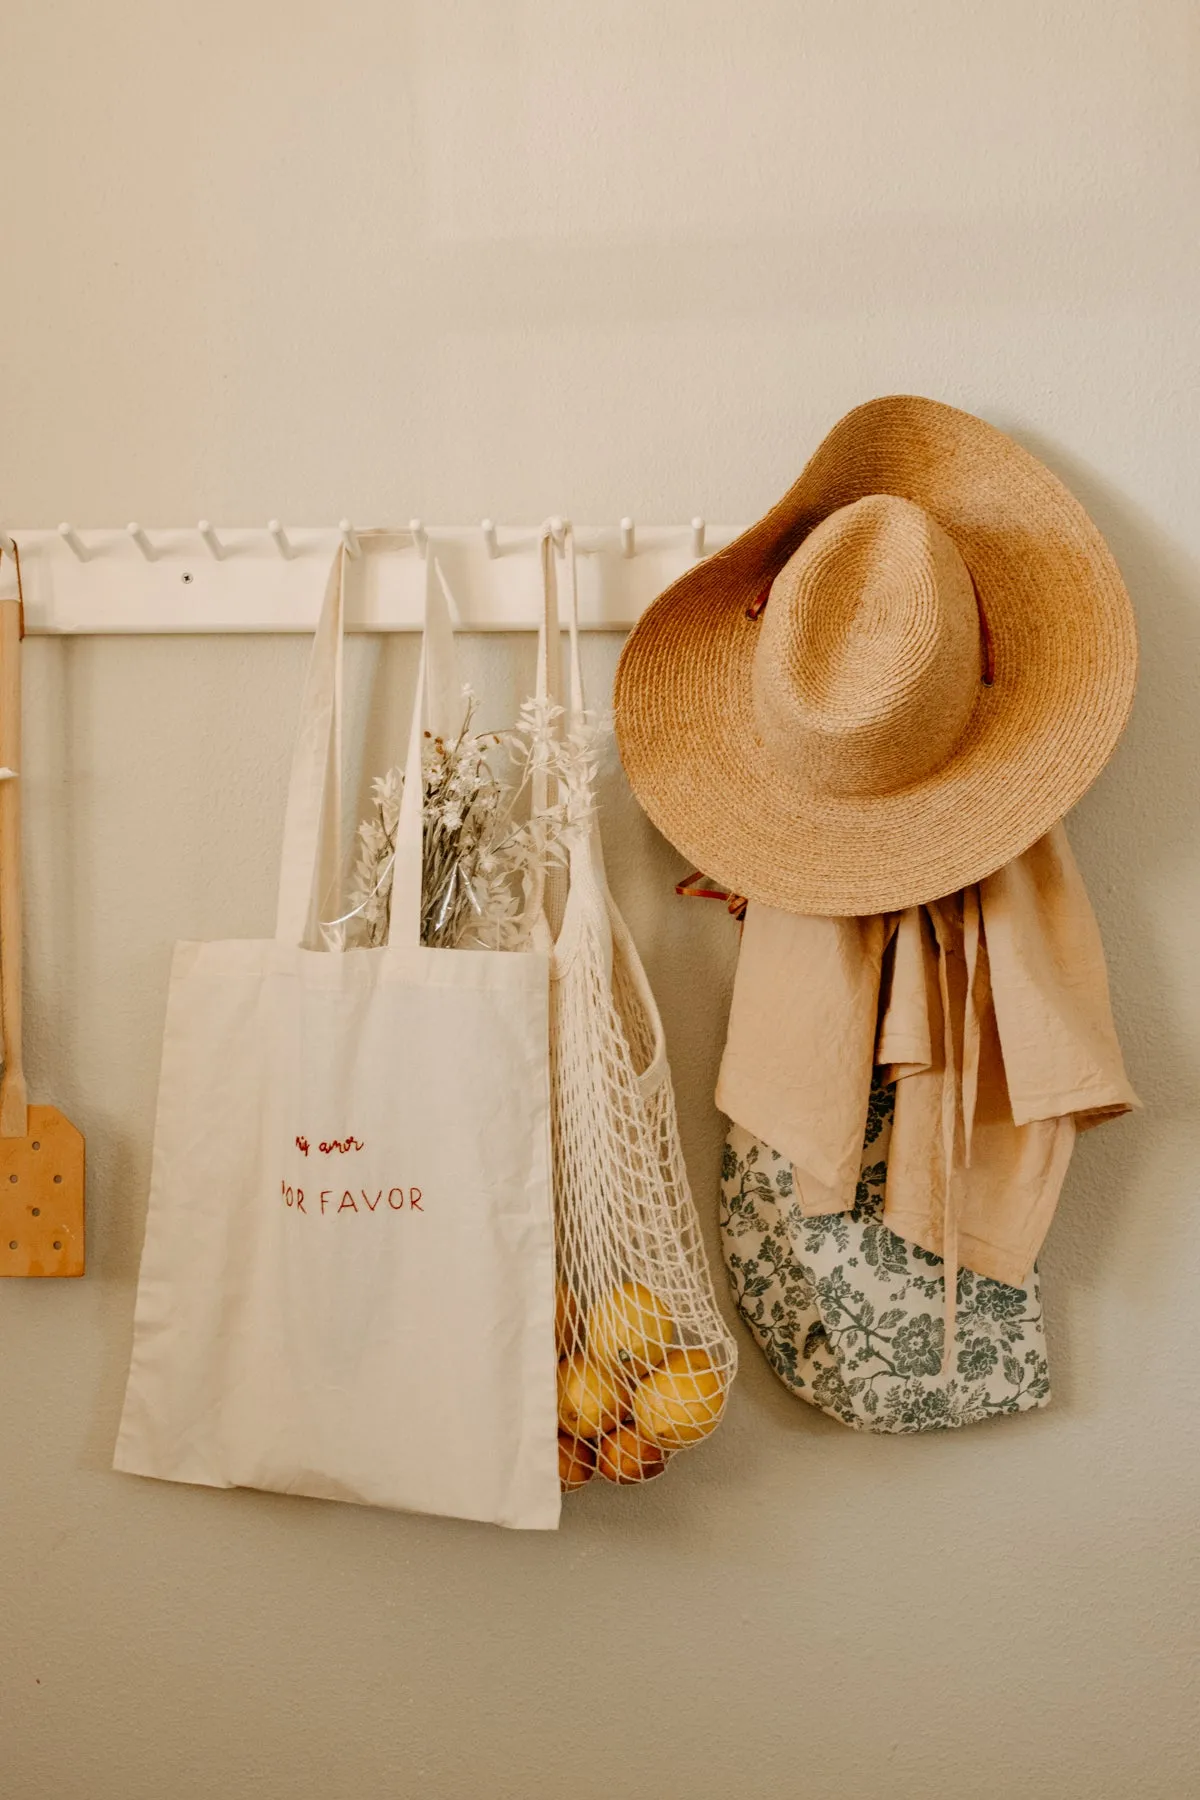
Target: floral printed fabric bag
[[851, 1317]]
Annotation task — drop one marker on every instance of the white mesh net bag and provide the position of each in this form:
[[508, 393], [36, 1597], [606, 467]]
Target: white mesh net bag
[[645, 1359]]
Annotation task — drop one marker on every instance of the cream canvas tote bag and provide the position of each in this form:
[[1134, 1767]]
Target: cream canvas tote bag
[[347, 1284]]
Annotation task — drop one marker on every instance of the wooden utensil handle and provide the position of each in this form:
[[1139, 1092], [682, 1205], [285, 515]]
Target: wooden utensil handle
[[13, 1099]]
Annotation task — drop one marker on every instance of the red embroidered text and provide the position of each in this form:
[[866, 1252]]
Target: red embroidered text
[[334, 1201]]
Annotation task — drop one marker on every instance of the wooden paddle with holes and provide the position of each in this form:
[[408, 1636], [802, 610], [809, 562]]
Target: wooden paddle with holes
[[41, 1153]]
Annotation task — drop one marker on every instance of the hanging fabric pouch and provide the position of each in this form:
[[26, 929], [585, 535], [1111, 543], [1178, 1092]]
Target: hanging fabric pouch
[[852, 1318]]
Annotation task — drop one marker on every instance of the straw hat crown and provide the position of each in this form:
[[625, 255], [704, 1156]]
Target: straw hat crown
[[868, 663]]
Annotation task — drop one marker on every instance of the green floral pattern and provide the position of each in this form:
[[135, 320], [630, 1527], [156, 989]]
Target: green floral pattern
[[850, 1316]]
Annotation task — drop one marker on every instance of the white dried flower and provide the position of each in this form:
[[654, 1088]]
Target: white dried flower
[[483, 862]]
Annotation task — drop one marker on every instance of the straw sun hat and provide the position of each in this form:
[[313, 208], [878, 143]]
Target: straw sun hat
[[894, 683]]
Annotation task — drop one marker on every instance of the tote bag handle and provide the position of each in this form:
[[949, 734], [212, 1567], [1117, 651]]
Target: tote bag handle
[[549, 645], [549, 667], [312, 826], [545, 889]]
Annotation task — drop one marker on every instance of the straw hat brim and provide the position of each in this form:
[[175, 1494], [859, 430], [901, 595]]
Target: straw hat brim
[[1065, 667]]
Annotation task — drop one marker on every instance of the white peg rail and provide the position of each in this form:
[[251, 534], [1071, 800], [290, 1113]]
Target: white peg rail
[[212, 578]]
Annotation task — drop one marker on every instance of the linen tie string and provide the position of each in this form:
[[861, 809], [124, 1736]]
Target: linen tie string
[[960, 1077], [951, 1106]]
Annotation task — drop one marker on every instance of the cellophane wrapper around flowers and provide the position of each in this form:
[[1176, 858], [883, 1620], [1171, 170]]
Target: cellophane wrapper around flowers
[[645, 1358]]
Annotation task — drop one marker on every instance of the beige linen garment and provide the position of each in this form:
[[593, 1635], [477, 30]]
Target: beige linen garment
[[990, 1012]]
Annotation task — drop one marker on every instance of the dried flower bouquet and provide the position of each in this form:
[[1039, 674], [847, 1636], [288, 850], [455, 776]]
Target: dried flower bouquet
[[487, 842]]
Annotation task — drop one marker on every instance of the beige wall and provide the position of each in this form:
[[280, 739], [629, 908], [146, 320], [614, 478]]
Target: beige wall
[[461, 257]]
